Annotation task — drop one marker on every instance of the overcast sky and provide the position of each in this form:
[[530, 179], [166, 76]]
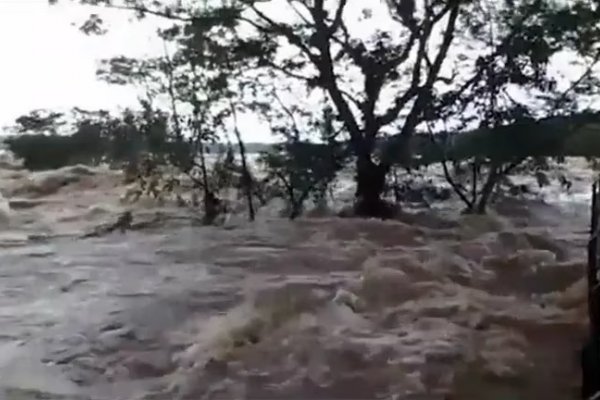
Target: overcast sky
[[46, 62]]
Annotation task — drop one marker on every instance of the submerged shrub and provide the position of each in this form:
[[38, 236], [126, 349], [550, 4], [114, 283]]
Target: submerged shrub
[[40, 151]]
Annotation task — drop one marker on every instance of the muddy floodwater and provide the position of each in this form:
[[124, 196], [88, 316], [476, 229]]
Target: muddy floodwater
[[432, 306]]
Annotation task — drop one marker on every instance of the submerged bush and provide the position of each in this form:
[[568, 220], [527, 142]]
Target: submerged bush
[[40, 151], [99, 138]]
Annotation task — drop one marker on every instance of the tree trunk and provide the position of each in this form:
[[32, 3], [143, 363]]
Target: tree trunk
[[488, 189], [296, 210], [458, 189], [295, 206], [397, 194], [497, 171], [474, 179], [246, 178], [590, 354], [204, 172], [370, 185]]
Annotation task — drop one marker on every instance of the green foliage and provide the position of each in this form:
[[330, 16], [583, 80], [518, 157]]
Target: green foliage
[[41, 147], [94, 138], [298, 170], [498, 132], [454, 64], [501, 150], [41, 121], [225, 171], [576, 135], [40, 151]]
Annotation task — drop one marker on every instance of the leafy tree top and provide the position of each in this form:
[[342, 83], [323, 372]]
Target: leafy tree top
[[437, 58]]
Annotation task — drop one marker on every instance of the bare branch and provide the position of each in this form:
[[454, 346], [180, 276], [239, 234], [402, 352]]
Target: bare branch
[[325, 65], [338, 17], [171, 90], [373, 86], [588, 71], [415, 89], [424, 95], [283, 30], [287, 72], [289, 113], [351, 98], [406, 52], [401, 101], [297, 12], [144, 10], [458, 189]]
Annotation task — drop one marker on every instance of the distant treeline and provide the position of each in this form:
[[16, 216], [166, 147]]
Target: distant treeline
[[558, 136], [50, 151], [572, 136]]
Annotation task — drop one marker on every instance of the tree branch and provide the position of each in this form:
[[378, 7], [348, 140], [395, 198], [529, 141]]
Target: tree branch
[[458, 189], [283, 30], [144, 10], [171, 90], [588, 71], [339, 13], [328, 79], [351, 98], [400, 102], [287, 72], [298, 13], [289, 113], [424, 96]]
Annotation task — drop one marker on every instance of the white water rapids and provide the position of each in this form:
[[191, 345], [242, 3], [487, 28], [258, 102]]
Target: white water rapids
[[428, 307]]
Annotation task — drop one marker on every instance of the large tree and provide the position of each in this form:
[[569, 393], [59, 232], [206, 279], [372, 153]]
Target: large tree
[[396, 69], [387, 73], [515, 98]]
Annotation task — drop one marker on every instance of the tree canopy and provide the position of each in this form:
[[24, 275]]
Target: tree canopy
[[396, 67]]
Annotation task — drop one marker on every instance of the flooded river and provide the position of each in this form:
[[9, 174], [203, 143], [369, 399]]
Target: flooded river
[[428, 307]]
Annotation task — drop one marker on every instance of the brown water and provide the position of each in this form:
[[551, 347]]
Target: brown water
[[429, 308]]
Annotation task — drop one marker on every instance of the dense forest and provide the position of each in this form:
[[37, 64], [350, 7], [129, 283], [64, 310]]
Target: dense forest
[[471, 85]]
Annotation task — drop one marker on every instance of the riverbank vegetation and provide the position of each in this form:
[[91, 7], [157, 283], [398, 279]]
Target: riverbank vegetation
[[469, 85]]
